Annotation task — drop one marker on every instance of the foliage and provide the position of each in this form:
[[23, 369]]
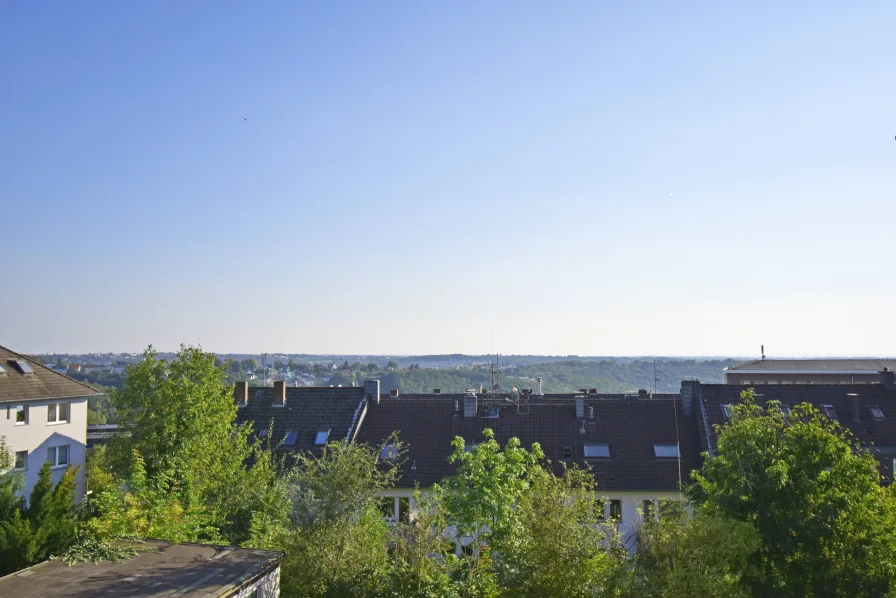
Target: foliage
[[90, 548], [95, 417], [46, 526], [706, 555], [562, 547], [185, 469], [335, 539], [812, 494]]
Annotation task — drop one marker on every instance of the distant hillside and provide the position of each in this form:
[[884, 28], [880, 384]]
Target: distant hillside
[[560, 376]]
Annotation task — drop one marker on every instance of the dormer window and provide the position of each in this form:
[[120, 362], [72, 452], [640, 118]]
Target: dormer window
[[876, 413], [321, 437], [828, 410], [665, 451]]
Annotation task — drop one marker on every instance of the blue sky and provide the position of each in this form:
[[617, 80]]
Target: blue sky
[[583, 177]]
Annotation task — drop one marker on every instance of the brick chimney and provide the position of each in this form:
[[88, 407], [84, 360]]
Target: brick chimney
[[580, 407], [471, 406], [240, 393], [279, 393], [372, 392], [886, 378]]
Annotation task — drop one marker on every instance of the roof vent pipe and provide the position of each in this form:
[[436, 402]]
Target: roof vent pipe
[[590, 412], [539, 386]]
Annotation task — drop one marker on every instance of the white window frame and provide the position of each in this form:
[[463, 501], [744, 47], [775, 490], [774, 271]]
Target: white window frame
[[21, 409], [24, 466], [54, 450], [53, 413], [599, 448]]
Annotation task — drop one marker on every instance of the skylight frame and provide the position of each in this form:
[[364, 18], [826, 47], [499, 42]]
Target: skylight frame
[[321, 437], [666, 451], [597, 451], [829, 411], [289, 439], [876, 412]]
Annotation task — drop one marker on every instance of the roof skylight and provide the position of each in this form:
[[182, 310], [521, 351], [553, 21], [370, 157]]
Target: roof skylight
[[390, 451], [597, 451], [321, 437], [290, 438], [665, 451], [22, 365]]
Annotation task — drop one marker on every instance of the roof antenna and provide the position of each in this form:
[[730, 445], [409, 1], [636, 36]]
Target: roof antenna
[[762, 349]]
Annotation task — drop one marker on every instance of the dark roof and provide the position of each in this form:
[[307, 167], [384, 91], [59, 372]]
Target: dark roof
[[41, 383], [869, 365], [877, 434], [181, 569], [428, 424], [308, 409]]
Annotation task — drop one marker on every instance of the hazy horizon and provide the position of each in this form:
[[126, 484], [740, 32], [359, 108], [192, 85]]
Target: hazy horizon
[[590, 179]]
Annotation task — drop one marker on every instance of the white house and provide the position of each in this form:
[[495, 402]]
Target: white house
[[43, 417]]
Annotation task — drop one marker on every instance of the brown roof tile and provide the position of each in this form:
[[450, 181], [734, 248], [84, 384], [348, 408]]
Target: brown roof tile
[[43, 383]]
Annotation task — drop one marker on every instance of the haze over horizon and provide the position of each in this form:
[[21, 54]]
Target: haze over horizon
[[416, 179]]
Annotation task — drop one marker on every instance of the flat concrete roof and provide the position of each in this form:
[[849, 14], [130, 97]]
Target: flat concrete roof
[[189, 570]]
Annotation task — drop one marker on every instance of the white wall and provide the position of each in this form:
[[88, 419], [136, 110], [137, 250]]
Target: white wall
[[268, 586], [632, 501], [39, 434]]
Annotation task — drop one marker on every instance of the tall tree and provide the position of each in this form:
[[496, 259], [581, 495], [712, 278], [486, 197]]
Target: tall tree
[[813, 495]]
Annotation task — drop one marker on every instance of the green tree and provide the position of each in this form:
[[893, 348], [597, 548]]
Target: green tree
[[562, 546], [250, 364], [707, 555], [291, 365], [95, 417], [814, 497], [336, 541], [183, 441], [392, 365]]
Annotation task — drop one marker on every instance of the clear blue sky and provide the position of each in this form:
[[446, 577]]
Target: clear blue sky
[[585, 177]]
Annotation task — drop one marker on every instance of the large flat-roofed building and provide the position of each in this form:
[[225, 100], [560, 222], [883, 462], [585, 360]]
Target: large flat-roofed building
[[43, 416], [809, 371], [161, 569]]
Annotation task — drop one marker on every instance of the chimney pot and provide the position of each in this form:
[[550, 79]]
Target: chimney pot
[[240, 393], [394, 392], [539, 386], [279, 393]]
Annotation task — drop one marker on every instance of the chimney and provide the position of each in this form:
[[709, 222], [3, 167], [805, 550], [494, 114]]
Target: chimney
[[854, 407], [592, 391], [580, 407], [539, 387], [689, 391], [470, 406], [240, 393], [583, 391], [393, 392], [372, 392], [279, 393], [886, 378], [436, 391]]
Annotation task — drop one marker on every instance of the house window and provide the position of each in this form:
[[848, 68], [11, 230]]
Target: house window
[[404, 509], [387, 507], [21, 459], [726, 411], [597, 451], [665, 451], [321, 437], [876, 413], [647, 505], [57, 456], [616, 510], [828, 410], [567, 452], [390, 451], [290, 438], [58, 412], [21, 415]]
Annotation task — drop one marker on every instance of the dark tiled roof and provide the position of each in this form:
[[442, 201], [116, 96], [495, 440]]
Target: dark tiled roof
[[164, 569], [878, 435], [43, 383], [428, 424], [871, 365], [308, 409]]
